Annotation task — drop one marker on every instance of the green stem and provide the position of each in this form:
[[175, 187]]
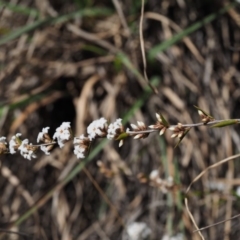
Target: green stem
[[179, 36]]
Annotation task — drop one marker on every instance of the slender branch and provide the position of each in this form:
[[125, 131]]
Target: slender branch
[[44, 144], [184, 125]]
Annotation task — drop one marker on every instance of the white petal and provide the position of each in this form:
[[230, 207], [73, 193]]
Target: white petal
[[134, 126], [158, 117]]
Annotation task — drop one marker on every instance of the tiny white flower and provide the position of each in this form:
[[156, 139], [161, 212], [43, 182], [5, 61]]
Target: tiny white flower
[[238, 191], [179, 236], [113, 127], [81, 145], [134, 127], [45, 149], [97, 128], [3, 144], [138, 230], [13, 144], [25, 150], [141, 124], [154, 174], [2, 140], [79, 151], [158, 117], [101, 123], [45, 139], [62, 133], [41, 134]]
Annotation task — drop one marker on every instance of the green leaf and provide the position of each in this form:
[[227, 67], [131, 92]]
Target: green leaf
[[226, 123], [128, 64], [183, 136], [164, 121], [122, 136]]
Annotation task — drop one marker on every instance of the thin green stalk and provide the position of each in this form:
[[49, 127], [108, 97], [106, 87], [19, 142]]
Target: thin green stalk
[[53, 20], [20, 9], [170, 202], [154, 51]]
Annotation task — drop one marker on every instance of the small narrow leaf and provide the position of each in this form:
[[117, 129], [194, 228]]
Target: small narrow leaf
[[183, 136], [226, 123], [164, 121], [207, 114], [122, 136]]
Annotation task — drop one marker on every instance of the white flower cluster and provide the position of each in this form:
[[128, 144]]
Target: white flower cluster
[[3, 144], [81, 146], [2, 140], [114, 128], [138, 231], [42, 136], [62, 134], [28, 150], [97, 128], [14, 143], [162, 184]]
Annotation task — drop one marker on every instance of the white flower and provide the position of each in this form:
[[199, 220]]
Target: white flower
[[138, 231], [62, 133], [41, 134], [79, 151], [45, 138], [179, 236], [97, 128], [45, 149], [113, 127], [81, 145], [3, 143], [26, 150], [2, 140], [14, 144], [154, 174], [238, 191]]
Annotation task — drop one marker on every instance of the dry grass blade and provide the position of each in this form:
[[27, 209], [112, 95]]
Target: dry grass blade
[[121, 16], [193, 220], [143, 49], [16, 233], [197, 178], [215, 224], [211, 167], [81, 102], [92, 38]]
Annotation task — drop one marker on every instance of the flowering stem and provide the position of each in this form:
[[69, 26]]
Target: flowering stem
[[185, 125]]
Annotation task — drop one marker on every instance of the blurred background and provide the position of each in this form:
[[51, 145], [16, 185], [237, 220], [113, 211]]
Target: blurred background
[[79, 60]]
